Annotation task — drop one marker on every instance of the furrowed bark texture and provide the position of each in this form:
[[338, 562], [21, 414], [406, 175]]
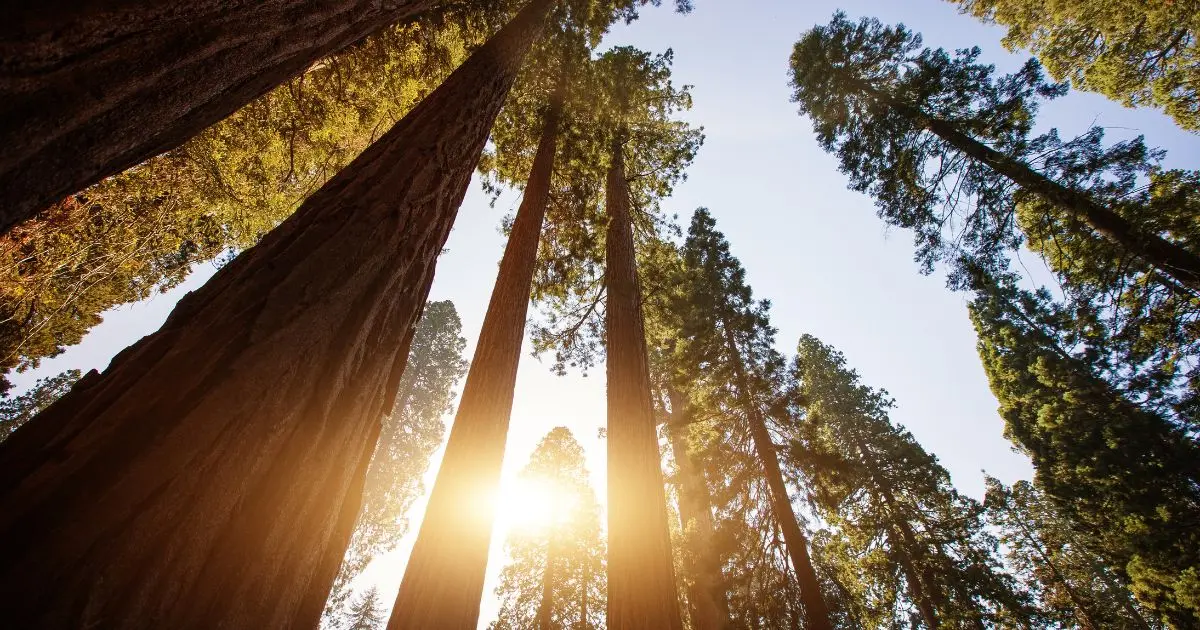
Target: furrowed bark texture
[[641, 578], [88, 89], [710, 608], [443, 581], [1170, 258], [210, 477], [816, 613]]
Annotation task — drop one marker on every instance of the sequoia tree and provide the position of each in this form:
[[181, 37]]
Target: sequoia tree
[[941, 142], [90, 90], [211, 475], [1140, 54], [1125, 476]]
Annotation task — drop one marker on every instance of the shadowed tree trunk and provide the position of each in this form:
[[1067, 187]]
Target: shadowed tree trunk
[[816, 613], [443, 581], [546, 606], [90, 88], [710, 609], [641, 578], [210, 477]]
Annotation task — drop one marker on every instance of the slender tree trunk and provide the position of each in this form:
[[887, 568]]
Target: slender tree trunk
[[583, 597], [546, 606], [816, 613], [1081, 608], [916, 590], [91, 88], [1170, 258], [710, 609], [641, 578], [211, 476], [443, 581]]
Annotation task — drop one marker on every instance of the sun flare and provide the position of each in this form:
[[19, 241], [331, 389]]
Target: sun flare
[[531, 504]]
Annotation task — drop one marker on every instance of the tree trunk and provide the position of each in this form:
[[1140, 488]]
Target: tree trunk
[[443, 581], [1083, 611], [88, 89], [583, 598], [916, 590], [546, 606], [816, 613], [710, 609], [211, 476], [1169, 258], [641, 578]]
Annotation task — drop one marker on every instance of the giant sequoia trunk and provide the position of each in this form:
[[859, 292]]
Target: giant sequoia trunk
[[816, 613], [1169, 258], [88, 89], [709, 606], [641, 578], [210, 477], [443, 581]]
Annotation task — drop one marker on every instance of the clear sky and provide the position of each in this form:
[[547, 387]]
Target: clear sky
[[817, 250]]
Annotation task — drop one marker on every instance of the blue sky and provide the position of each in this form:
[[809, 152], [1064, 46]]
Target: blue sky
[[815, 249]]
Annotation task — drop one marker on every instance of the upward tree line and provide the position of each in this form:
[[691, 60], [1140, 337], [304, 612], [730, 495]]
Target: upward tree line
[[239, 467]]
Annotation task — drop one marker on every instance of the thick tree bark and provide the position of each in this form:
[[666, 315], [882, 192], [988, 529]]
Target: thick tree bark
[[710, 608], [88, 89], [641, 578], [210, 477], [816, 613], [443, 581], [1173, 260]]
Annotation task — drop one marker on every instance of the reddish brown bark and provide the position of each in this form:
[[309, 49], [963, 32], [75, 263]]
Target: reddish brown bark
[[443, 581], [816, 613], [210, 477], [90, 88], [706, 595], [641, 578]]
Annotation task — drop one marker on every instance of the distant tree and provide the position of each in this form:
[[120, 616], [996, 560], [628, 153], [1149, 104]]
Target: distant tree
[[1126, 477], [410, 434], [555, 578], [902, 539], [16, 411], [1140, 54], [365, 612], [1074, 586], [231, 446]]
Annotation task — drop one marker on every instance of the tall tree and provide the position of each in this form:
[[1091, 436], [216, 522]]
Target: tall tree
[[909, 541], [89, 90], [410, 434], [1128, 478], [365, 612], [555, 576], [1136, 53], [211, 476], [641, 581], [16, 411], [145, 229], [931, 134], [727, 331], [1074, 585], [435, 590]]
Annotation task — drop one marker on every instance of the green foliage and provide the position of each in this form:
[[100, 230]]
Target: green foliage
[[141, 231], [17, 410], [894, 519], [408, 437], [632, 104], [1073, 586], [1136, 53], [1126, 477], [569, 550], [872, 92]]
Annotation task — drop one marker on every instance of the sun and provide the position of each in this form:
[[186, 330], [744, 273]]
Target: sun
[[531, 504]]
